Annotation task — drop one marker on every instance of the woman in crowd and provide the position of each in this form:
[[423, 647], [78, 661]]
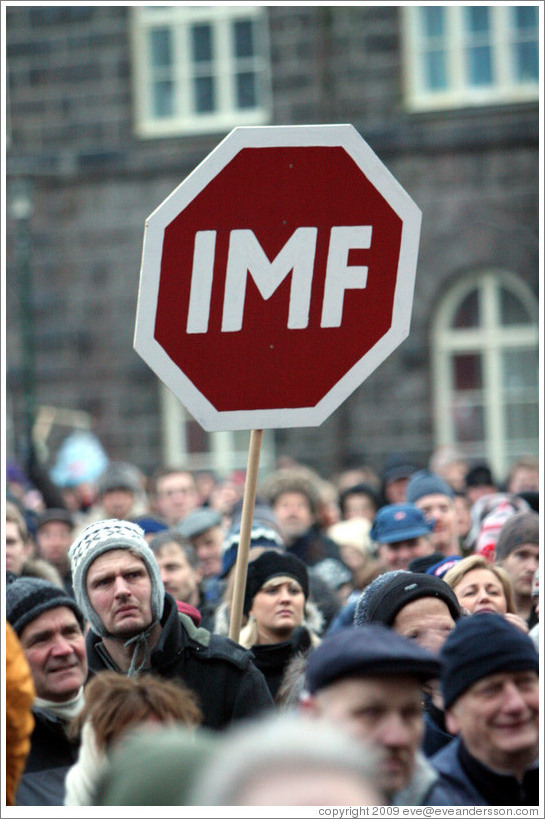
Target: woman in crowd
[[483, 586], [282, 622]]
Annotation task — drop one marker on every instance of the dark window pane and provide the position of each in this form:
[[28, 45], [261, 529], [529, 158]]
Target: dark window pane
[[244, 38], [433, 21], [479, 65], [512, 311], [201, 43], [477, 19], [467, 372], [204, 95], [246, 90], [526, 17], [468, 314], [435, 70], [163, 99], [161, 47], [526, 61]]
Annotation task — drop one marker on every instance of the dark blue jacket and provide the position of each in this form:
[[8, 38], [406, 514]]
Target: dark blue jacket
[[436, 735], [453, 781], [466, 781]]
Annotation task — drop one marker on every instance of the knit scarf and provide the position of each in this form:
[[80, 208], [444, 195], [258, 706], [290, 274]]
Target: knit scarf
[[64, 710]]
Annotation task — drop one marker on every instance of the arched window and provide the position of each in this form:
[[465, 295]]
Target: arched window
[[485, 369]]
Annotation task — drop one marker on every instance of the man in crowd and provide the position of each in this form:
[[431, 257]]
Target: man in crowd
[[490, 689], [54, 528], [120, 493], [295, 502], [395, 477], [49, 625], [401, 533], [135, 626], [174, 494], [523, 475], [517, 551], [358, 501], [203, 529], [435, 498], [181, 572], [423, 608], [369, 681], [19, 545], [479, 482]]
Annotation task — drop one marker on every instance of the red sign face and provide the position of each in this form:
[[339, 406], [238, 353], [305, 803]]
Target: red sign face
[[276, 280]]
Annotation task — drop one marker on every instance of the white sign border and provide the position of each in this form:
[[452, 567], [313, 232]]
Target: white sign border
[[159, 361]]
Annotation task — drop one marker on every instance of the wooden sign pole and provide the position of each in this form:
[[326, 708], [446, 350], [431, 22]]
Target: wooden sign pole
[[248, 505]]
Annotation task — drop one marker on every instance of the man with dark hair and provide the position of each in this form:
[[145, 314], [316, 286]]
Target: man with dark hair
[[359, 501], [490, 688], [181, 572], [135, 626], [479, 482]]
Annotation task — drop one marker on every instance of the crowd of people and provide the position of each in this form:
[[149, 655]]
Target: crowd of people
[[388, 652]]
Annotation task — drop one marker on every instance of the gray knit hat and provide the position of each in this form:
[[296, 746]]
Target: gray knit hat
[[104, 536], [424, 483], [28, 597], [520, 528]]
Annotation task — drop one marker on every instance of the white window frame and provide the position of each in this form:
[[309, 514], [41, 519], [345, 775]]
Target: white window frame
[[506, 89], [490, 339], [178, 19], [227, 450]]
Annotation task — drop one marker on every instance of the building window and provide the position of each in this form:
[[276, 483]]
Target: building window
[[184, 441], [470, 55], [485, 369], [199, 69]]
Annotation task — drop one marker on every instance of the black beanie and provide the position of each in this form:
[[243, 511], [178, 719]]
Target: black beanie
[[273, 564], [28, 597], [482, 645], [381, 601]]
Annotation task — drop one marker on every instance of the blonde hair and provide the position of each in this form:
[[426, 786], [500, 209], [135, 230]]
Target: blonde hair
[[14, 515], [467, 564]]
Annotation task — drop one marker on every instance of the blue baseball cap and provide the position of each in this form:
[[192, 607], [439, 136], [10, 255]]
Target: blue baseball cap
[[399, 521]]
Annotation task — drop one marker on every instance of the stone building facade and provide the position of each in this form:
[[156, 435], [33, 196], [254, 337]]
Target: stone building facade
[[82, 175]]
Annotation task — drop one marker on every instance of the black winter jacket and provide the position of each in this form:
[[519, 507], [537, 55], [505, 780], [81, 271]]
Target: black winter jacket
[[51, 755], [220, 672]]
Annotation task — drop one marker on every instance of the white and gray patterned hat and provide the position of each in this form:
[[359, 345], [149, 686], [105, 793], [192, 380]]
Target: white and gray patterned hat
[[103, 536]]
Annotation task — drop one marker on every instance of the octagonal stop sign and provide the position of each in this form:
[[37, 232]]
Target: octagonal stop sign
[[277, 276]]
